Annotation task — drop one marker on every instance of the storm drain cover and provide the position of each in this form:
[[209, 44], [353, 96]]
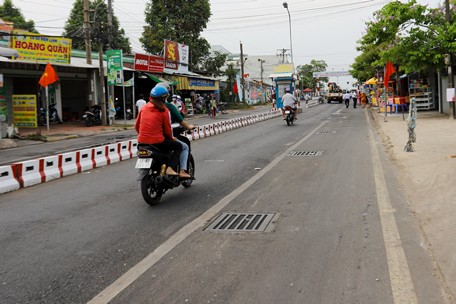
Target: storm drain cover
[[326, 132], [305, 153], [242, 222]]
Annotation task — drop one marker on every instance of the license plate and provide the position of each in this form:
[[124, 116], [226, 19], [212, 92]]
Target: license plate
[[143, 163], [287, 112]]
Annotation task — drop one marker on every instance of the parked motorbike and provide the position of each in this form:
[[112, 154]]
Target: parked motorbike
[[53, 116], [92, 117], [152, 166], [120, 113], [289, 115]]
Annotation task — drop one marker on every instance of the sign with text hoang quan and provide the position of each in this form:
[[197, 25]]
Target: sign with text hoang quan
[[24, 111], [35, 47]]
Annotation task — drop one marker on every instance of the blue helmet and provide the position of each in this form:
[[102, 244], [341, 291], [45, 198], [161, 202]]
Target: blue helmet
[[159, 91]]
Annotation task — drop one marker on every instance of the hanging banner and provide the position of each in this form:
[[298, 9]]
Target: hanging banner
[[149, 63], [330, 74], [115, 70], [24, 111], [176, 57], [36, 47]]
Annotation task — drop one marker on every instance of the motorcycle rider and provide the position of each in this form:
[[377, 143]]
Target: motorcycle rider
[[289, 100], [154, 128], [177, 117]]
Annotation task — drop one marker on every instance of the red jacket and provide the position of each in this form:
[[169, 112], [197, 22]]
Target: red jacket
[[152, 125]]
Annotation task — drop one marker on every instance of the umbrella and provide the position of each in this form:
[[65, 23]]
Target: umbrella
[[371, 81], [307, 90]]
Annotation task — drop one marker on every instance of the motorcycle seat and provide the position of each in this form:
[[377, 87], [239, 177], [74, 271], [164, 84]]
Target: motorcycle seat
[[148, 150]]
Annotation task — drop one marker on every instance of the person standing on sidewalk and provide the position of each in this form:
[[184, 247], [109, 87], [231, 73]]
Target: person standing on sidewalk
[[140, 102], [213, 103]]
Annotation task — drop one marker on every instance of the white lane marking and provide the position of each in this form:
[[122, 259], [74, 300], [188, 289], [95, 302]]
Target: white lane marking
[[399, 273], [136, 271]]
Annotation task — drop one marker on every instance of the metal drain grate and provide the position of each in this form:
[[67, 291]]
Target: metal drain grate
[[305, 153], [326, 132], [242, 222]]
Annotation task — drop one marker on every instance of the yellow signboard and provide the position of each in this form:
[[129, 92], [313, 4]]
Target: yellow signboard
[[283, 68], [24, 111], [40, 48]]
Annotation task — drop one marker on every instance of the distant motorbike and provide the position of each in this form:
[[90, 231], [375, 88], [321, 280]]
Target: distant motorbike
[[53, 116], [152, 166], [221, 107], [92, 117], [120, 113], [289, 115]]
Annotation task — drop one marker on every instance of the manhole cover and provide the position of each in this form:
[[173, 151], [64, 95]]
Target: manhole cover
[[305, 153], [242, 222], [326, 132]]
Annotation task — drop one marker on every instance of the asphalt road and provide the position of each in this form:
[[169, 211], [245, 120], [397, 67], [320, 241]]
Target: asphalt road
[[342, 231]]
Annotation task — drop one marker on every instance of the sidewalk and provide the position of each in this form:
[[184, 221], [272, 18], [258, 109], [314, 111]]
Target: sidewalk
[[427, 175]]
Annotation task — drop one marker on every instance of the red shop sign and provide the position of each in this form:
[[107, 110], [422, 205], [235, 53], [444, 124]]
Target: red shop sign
[[149, 63]]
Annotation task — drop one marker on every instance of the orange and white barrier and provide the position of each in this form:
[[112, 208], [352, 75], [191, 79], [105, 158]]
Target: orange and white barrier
[[70, 163], [30, 172], [52, 167], [112, 153], [8, 181]]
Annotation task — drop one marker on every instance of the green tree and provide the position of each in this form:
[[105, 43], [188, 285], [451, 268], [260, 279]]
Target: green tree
[[211, 65], [8, 12], [74, 27], [181, 21], [306, 73], [413, 36]]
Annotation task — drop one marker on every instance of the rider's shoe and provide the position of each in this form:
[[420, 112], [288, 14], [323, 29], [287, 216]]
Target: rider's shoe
[[170, 171]]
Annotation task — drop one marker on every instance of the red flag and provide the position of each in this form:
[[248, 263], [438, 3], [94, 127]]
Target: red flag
[[235, 88], [49, 76], [389, 70]]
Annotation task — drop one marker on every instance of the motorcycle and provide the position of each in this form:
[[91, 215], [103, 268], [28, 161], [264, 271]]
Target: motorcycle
[[53, 116], [289, 115], [221, 107], [92, 117], [120, 114], [152, 166]]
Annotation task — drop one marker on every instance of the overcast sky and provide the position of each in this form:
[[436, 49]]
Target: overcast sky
[[321, 29]]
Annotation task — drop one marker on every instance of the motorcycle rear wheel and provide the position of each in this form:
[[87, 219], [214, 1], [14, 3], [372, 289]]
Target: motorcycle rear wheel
[[89, 121], [191, 172], [150, 193], [289, 120]]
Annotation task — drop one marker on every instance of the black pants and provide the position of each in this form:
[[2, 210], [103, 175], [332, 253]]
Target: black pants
[[171, 145], [347, 102], [355, 101]]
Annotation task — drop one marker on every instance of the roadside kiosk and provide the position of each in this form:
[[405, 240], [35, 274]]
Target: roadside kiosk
[[284, 77]]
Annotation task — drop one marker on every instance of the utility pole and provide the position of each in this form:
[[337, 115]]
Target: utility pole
[[450, 62], [261, 75], [281, 54], [109, 47], [242, 75], [88, 43]]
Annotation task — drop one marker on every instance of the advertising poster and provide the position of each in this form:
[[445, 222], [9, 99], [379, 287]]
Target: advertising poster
[[176, 57], [149, 63], [39, 48], [114, 62], [24, 111], [3, 107]]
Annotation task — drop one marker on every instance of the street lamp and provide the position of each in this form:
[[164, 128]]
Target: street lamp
[[285, 5]]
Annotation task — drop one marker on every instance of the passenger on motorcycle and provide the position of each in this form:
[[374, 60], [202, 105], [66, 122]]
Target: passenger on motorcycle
[[289, 101], [177, 117], [154, 127]]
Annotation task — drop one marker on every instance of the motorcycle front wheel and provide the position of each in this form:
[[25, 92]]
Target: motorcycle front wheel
[[89, 121], [150, 193]]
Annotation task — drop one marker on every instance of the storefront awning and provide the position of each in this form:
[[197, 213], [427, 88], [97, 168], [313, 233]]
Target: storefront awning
[[7, 52], [160, 79]]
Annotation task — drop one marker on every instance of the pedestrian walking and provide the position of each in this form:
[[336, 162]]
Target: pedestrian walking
[[363, 99], [346, 98], [354, 96]]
